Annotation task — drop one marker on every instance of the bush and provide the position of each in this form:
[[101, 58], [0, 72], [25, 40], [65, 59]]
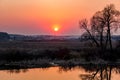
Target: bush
[[14, 55]]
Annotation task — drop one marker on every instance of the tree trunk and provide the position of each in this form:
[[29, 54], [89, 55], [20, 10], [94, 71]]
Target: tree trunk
[[106, 43], [110, 41], [109, 36], [94, 40], [101, 40]]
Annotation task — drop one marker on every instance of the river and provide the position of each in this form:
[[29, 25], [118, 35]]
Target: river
[[53, 73]]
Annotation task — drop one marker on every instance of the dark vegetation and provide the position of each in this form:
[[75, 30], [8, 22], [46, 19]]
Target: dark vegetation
[[4, 36], [10, 53], [100, 29], [19, 55]]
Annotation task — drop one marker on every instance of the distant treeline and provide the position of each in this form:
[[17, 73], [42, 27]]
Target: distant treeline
[[4, 36]]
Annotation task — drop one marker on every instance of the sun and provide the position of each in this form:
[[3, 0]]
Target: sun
[[56, 28]]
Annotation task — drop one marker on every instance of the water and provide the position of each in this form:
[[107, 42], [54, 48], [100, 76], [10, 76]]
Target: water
[[52, 73]]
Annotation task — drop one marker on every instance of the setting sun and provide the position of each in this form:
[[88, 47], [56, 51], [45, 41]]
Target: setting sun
[[56, 27]]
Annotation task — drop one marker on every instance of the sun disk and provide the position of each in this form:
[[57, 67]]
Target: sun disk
[[56, 28]]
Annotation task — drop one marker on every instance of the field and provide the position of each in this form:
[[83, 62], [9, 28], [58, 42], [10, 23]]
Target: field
[[42, 45], [47, 53]]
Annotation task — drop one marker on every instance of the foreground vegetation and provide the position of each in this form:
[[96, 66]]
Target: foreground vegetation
[[14, 55]]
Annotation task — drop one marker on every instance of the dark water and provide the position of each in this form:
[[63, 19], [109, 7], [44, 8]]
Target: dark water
[[62, 73]]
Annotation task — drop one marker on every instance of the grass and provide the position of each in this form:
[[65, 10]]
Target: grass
[[42, 54]]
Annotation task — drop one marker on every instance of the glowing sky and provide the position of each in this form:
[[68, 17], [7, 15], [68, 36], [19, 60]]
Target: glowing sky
[[39, 16]]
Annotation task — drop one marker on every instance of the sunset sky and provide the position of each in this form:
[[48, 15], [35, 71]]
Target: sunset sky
[[39, 17]]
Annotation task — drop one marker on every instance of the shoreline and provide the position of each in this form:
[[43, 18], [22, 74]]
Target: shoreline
[[64, 64]]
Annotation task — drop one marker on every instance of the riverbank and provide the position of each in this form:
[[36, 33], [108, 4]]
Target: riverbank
[[44, 63]]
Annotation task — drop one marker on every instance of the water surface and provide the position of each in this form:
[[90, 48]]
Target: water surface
[[52, 73]]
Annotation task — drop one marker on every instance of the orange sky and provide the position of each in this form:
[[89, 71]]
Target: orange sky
[[39, 16]]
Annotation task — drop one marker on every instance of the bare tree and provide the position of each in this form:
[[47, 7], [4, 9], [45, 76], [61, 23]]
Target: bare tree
[[97, 26], [84, 25], [111, 17], [101, 24]]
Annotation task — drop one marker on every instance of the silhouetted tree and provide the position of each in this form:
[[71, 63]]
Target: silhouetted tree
[[4, 36], [112, 20], [84, 25], [101, 25], [97, 26]]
